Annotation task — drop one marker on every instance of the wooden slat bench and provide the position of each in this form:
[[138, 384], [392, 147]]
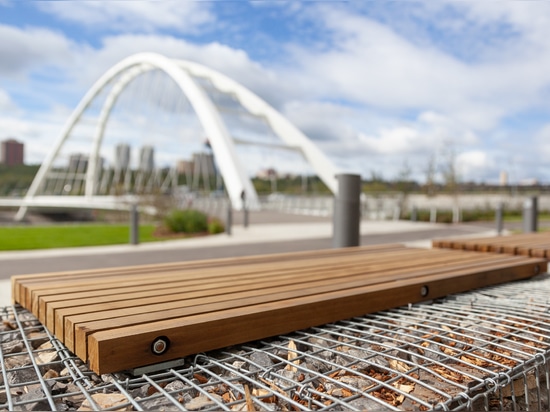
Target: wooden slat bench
[[123, 318], [525, 244]]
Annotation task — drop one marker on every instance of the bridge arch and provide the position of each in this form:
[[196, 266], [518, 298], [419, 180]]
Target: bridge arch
[[223, 148]]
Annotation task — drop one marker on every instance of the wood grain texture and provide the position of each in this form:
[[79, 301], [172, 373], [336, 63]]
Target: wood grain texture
[[111, 317]]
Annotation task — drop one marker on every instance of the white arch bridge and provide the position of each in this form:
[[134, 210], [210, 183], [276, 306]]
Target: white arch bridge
[[90, 184]]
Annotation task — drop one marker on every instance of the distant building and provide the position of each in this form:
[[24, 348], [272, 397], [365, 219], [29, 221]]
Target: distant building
[[12, 152], [147, 158], [122, 157], [203, 163], [184, 167], [267, 174], [503, 178], [78, 162]]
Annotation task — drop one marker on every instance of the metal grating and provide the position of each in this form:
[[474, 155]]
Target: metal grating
[[482, 350]]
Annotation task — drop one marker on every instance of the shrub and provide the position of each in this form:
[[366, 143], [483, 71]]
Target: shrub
[[186, 221], [215, 226]]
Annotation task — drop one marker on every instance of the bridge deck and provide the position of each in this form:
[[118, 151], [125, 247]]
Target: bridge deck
[[526, 244], [123, 318]]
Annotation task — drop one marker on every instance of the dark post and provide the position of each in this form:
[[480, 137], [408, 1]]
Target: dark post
[[347, 211], [245, 209], [499, 218], [229, 218], [535, 209], [530, 215], [134, 225], [414, 214]]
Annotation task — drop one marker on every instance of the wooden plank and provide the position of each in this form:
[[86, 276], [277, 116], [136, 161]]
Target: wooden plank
[[93, 312], [22, 284], [192, 279]]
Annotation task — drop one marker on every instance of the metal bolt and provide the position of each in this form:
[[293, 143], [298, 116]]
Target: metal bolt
[[424, 290], [160, 345]]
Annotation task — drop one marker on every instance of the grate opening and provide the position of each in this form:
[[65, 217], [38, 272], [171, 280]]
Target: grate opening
[[483, 350]]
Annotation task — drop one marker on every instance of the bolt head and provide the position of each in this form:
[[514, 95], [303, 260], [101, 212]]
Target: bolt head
[[160, 345], [424, 290]]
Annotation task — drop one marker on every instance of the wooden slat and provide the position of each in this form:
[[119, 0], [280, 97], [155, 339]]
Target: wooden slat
[[22, 283], [189, 275], [110, 317], [525, 244]]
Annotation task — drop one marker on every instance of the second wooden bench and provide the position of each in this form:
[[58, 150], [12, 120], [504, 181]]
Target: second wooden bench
[[525, 244]]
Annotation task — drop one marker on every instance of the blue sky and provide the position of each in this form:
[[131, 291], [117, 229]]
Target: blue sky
[[379, 85]]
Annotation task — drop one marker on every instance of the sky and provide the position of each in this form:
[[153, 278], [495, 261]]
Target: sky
[[384, 87]]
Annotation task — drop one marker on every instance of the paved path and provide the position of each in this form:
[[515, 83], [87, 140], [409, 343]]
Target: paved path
[[258, 238]]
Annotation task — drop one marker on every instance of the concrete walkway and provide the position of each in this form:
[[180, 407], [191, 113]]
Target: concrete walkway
[[256, 239]]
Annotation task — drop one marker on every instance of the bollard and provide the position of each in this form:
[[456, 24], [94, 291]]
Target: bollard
[[414, 214], [433, 215], [499, 218], [229, 219], [346, 217], [245, 217], [396, 212], [456, 214], [134, 225], [245, 209], [535, 215], [530, 215]]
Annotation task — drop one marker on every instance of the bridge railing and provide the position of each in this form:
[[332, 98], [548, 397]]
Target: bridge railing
[[372, 207]]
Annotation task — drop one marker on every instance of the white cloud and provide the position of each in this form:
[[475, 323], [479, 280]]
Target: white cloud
[[531, 19], [26, 49], [321, 121], [399, 140], [476, 165], [372, 64], [141, 16], [542, 140], [428, 134], [6, 102]]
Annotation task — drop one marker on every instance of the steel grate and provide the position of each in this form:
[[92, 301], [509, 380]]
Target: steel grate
[[482, 350]]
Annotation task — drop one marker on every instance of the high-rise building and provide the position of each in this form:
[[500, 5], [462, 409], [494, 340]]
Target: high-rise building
[[503, 178], [147, 158], [122, 157], [184, 166], [204, 164], [78, 162], [12, 152]]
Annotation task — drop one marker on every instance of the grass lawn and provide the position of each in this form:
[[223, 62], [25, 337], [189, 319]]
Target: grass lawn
[[45, 237]]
